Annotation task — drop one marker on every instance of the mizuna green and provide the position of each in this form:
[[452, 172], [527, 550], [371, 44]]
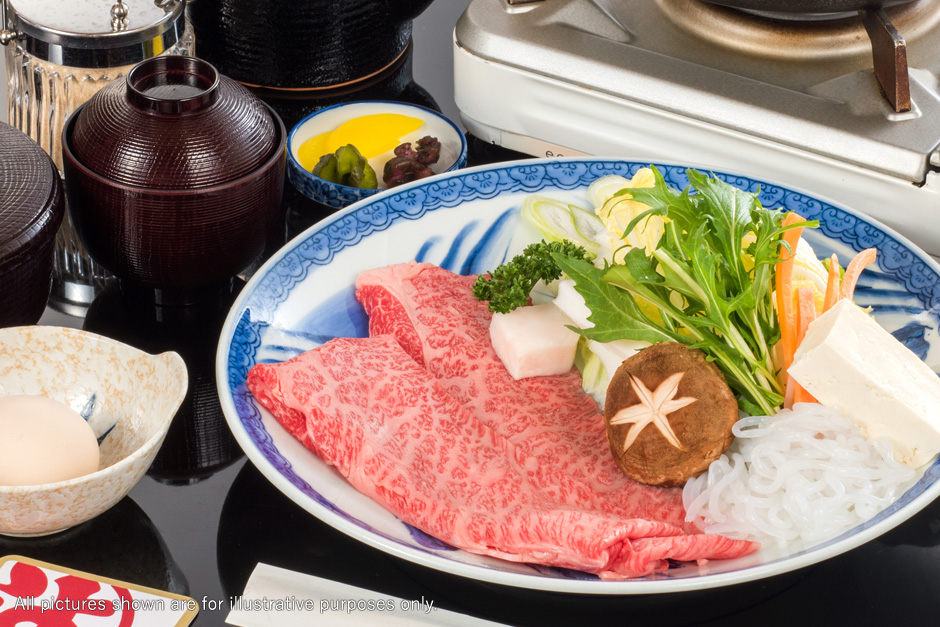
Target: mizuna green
[[710, 277]]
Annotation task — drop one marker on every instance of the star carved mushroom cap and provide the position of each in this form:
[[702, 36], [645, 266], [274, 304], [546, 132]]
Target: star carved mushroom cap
[[654, 408], [669, 414]]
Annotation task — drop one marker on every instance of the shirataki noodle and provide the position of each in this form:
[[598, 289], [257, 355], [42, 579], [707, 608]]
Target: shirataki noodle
[[805, 474]]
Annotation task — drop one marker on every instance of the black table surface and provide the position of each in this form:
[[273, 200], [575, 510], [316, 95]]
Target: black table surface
[[204, 517]]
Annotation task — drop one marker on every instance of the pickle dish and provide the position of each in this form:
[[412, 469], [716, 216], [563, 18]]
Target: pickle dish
[[376, 130]]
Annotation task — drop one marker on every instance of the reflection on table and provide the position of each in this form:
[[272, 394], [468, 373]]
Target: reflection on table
[[884, 580], [199, 442], [121, 544]]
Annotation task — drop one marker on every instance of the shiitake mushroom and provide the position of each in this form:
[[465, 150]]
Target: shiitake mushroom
[[669, 414]]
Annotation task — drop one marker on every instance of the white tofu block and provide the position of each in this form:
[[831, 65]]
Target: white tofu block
[[533, 341], [849, 362]]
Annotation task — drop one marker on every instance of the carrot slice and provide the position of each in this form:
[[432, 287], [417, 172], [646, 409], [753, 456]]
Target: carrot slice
[[800, 395], [806, 305], [783, 283], [854, 270], [788, 394], [832, 284]]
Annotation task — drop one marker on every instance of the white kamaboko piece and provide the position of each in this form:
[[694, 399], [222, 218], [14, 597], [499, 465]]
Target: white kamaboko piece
[[533, 341], [849, 362]]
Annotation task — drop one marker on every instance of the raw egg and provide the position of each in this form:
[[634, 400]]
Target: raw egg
[[42, 441], [372, 135]]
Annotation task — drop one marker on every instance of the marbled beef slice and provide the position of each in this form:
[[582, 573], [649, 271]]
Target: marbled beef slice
[[443, 327], [366, 407]]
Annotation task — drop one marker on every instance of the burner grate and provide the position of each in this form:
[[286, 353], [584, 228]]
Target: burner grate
[[889, 55], [808, 36]]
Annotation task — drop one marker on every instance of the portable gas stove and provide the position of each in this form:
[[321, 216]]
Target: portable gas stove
[[795, 98]]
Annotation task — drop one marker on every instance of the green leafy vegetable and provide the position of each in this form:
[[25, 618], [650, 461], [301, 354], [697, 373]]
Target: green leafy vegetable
[[709, 279], [508, 286], [619, 311]]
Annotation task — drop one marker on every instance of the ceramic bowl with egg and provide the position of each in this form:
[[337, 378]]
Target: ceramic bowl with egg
[[174, 175], [128, 398], [375, 128]]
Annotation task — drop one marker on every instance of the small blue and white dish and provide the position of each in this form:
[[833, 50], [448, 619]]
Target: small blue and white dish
[[452, 157], [469, 222]]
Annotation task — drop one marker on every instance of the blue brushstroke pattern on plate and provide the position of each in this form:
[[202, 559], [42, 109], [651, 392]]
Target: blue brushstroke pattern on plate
[[902, 289]]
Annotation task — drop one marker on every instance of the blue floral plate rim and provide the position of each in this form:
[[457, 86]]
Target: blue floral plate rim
[[902, 264]]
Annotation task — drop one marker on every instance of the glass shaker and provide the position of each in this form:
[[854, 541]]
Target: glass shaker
[[58, 55]]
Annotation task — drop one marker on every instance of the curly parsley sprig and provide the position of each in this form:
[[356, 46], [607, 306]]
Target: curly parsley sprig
[[508, 286]]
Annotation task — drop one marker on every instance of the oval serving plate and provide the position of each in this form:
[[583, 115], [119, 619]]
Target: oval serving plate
[[468, 222]]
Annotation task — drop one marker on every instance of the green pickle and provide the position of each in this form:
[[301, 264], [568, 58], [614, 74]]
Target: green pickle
[[347, 156], [363, 176], [326, 169], [347, 167]]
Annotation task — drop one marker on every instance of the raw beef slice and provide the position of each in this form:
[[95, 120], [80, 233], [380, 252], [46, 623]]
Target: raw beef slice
[[391, 429], [435, 317]]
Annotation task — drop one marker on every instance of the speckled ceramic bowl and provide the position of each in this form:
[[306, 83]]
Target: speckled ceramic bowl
[[453, 147], [128, 397]]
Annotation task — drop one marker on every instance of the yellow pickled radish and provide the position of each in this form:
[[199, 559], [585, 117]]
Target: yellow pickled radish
[[372, 135]]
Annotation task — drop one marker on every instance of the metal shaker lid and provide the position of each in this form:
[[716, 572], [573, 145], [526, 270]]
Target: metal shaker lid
[[95, 33]]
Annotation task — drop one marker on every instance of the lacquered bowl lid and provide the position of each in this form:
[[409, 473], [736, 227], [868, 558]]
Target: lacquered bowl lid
[[173, 123], [29, 182]]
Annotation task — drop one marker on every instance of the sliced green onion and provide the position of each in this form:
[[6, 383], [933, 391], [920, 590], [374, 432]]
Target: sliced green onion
[[558, 222]]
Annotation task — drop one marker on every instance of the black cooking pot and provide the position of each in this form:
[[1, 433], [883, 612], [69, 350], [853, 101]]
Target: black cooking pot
[[808, 6], [302, 44]]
